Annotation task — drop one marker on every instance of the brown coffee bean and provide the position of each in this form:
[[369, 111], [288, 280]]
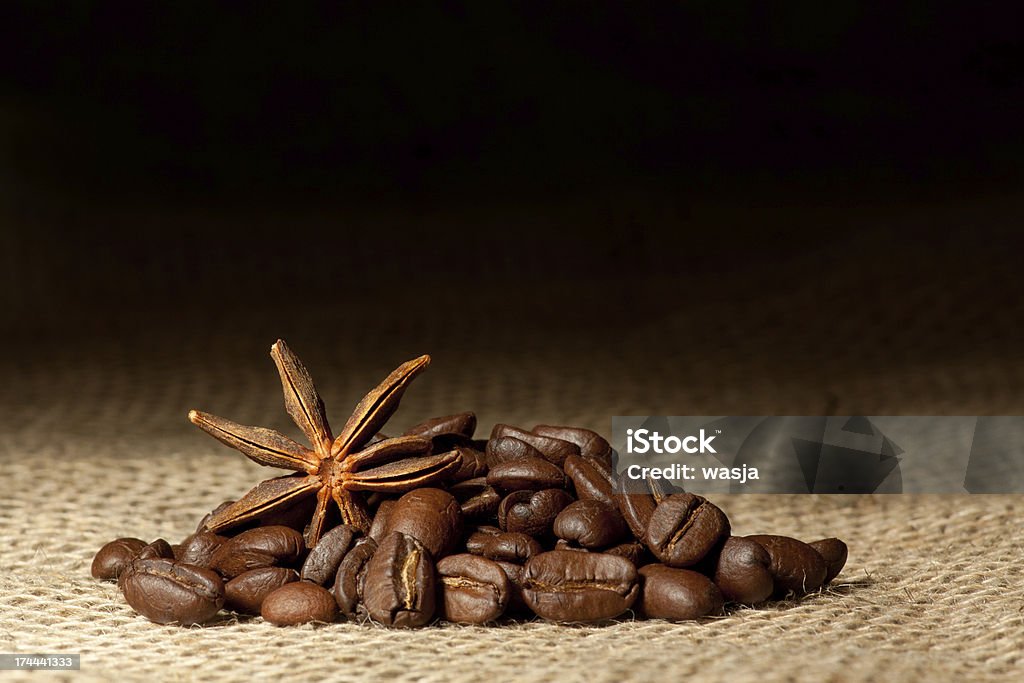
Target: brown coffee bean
[[590, 482], [511, 547], [527, 474], [300, 602], [567, 586], [158, 549], [742, 571], [472, 463], [245, 593], [633, 551], [677, 594], [553, 450], [166, 592], [266, 546], [430, 515], [592, 445], [834, 552], [591, 524], [114, 557], [459, 423], [636, 506], [321, 564], [516, 601], [348, 583], [379, 528], [477, 499], [478, 536], [684, 528], [796, 567], [531, 512], [507, 449], [401, 584], [198, 549], [474, 590]]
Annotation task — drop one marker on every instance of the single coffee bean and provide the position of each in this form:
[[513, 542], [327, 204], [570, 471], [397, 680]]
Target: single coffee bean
[[474, 590], [478, 536], [459, 423], [348, 583], [796, 567], [477, 500], [684, 528], [590, 523], [158, 549], [114, 557], [516, 601], [430, 515], [379, 528], [472, 463], [300, 602], [245, 593], [530, 512], [511, 547], [198, 548], [166, 592], [834, 552], [553, 450], [592, 445], [590, 482], [742, 571], [527, 474], [633, 551], [677, 594], [567, 586], [266, 546], [401, 584], [637, 505], [321, 564], [509, 448]]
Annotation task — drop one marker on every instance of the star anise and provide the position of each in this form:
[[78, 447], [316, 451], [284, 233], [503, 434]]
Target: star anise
[[336, 468]]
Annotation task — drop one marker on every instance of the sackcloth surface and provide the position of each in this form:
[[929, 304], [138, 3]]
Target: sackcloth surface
[[94, 444]]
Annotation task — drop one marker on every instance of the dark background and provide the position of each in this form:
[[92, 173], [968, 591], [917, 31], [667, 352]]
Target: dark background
[[803, 191]]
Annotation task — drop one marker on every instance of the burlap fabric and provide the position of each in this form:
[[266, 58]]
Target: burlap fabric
[[94, 444]]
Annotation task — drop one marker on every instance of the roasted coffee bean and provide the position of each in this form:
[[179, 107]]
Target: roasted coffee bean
[[245, 593], [742, 571], [477, 499], [553, 450], [322, 562], [430, 515], [531, 512], [474, 590], [300, 602], [511, 547], [400, 587], [114, 557], [158, 549], [220, 508], [632, 551], [590, 482], [591, 524], [478, 537], [267, 546], [567, 586], [348, 583], [796, 567], [636, 505], [165, 591], [379, 528], [198, 549], [509, 448], [684, 528], [526, 474], [459, 423], [472, 463], [834, 552], [516, 601], [677, 594], [592, 445]]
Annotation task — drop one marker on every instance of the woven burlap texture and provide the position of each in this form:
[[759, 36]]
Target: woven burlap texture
[[95, 445]]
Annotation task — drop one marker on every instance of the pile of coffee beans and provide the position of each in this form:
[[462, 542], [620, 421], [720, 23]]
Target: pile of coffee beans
[[531, 523]]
